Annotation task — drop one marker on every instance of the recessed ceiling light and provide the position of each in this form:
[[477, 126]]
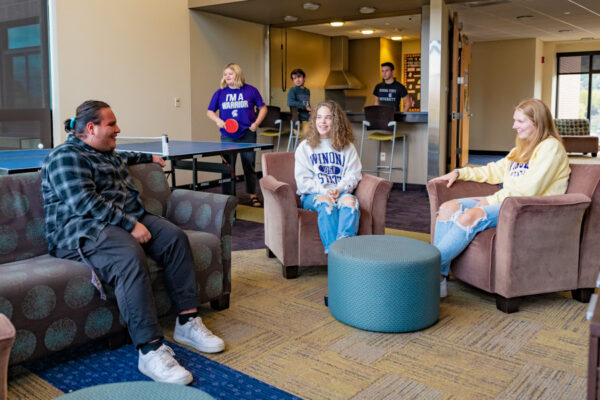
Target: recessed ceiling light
[[290, 18], [311, 6], [336, 23], [396, 37], [564, 30], [367, 31], [567, 12], [525, 17], [367, 10]]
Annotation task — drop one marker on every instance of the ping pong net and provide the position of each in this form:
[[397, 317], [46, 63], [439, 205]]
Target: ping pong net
[[161, 142]]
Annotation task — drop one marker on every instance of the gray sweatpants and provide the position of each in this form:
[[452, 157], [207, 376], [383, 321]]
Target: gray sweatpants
[[120, 260]]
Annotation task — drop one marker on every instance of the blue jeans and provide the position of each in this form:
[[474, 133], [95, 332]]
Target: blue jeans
[[247, 157], [451, 238], [335, 221]]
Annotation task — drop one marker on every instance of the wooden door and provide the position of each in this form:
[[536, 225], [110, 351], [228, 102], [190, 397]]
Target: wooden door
[[454, 93], [465, 103]]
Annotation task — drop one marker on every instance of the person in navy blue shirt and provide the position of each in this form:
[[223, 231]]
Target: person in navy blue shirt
[[237, 100]]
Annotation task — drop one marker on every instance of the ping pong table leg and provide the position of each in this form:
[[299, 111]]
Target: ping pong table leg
[[229, 188], [195, 174], [173, 183]]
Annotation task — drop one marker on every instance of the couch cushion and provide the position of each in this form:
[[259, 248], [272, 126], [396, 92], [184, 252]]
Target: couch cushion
[[53, 305], [150, 180], [22, 229]]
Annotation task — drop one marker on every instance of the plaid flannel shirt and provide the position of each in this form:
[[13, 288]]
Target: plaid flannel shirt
[[84, 190]]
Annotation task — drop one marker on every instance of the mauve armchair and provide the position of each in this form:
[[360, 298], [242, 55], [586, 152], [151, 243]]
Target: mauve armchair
[[291, 233], [7, 338], [542, 244]]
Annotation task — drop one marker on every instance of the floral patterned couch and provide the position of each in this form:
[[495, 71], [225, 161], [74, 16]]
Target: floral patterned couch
[[51, 301]]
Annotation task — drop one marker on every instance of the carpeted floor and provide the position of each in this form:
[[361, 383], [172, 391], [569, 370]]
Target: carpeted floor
[[280, 332], [94, 364]]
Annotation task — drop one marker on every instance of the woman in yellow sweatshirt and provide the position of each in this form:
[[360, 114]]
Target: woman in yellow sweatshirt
[[537, 166]]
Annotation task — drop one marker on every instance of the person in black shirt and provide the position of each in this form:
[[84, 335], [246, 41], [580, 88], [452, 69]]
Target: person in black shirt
[[389, 92]]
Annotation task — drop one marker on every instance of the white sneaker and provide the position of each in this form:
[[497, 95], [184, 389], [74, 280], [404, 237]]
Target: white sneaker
[[160, 366], [443, 289], [195, 334]]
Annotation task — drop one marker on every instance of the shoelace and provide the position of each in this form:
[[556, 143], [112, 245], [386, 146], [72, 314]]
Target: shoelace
[[198, 326], [165, 357]]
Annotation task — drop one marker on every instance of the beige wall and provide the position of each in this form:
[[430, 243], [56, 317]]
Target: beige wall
[[305, 50], [133, 54], [208, 33], [391, 51], [503, 74], [154, 52], [549, 68], [363, 63]]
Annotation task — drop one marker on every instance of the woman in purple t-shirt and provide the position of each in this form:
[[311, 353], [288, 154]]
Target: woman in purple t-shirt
[[236, 100]]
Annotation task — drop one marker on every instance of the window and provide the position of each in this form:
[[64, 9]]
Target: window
[[25, 120], [578, 94]]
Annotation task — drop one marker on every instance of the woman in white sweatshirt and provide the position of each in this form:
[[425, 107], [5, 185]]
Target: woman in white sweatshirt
[[537, 166], [327, 170]]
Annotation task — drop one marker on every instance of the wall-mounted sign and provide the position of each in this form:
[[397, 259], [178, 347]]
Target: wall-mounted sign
[[412, 79]]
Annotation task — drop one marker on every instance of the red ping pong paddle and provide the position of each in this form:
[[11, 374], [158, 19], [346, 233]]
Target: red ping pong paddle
[[231, 125]]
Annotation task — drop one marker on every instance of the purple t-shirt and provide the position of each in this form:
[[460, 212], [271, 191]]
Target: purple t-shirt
[[236, 104]]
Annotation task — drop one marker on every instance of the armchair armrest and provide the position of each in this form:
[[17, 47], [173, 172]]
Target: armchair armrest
[[439, 194], [202, 211], [372, 193], [281, 219], [537, 244]]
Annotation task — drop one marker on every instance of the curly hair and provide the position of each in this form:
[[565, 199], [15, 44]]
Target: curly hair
[[538, 113], [341, 131]]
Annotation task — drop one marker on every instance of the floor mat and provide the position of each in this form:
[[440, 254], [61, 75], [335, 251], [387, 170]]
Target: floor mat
[[94, 364]]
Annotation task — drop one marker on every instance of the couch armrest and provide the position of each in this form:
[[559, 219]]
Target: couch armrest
[[202, 211], [372, 193], [281, 219], [439, 194], [537, 244]]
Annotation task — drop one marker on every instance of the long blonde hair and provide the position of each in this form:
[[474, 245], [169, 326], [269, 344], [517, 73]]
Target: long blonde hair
[[539, 114], [239, 76], [341, 130]]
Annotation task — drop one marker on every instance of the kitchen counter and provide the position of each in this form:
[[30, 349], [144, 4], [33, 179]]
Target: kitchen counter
[[406, 117]]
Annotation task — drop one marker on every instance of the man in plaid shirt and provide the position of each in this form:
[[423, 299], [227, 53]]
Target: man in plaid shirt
[[94, 214]]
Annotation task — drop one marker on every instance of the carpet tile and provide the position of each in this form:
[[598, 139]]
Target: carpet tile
[[279, 332]]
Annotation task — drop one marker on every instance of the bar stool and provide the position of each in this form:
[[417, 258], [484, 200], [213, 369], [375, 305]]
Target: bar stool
[[382, 118], [272, 124], [295, 129]]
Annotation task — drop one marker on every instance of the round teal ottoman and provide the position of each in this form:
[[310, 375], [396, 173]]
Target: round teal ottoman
[[384, 283], [140, 390]]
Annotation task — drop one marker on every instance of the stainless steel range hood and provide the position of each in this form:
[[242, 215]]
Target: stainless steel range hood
[[340, 78]]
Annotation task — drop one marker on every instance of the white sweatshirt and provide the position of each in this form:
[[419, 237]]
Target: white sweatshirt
[[322, 168]]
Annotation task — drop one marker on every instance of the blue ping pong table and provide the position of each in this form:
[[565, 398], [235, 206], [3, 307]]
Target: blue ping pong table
[[183, 154]]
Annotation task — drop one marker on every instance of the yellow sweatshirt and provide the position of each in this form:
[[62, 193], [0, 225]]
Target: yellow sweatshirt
[[546, 173]]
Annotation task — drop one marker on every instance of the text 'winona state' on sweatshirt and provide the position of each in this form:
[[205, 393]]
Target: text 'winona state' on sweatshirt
[[322, 168], [546, 173]]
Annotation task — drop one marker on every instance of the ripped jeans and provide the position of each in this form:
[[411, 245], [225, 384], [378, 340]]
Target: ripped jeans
[[451, 238], [335, 221]]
